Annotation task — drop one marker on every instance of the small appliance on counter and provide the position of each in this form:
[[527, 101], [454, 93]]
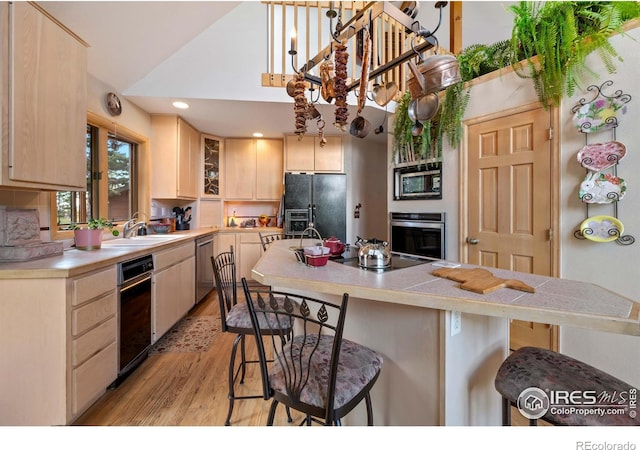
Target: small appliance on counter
[[20, 236]]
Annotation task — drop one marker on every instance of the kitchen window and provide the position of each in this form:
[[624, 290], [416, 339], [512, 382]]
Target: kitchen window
[[111, 167]]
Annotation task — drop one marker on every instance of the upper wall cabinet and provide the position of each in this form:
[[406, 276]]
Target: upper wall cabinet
[[175, 158], [212, 148], [43, 79], [253, 169], [307, 155]]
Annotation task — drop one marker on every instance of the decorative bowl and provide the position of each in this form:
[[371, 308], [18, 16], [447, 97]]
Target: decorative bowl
[[316, 261], [264, 220], [602, 188], [602, 228], [160, 228], [599, 115], [597, 157]]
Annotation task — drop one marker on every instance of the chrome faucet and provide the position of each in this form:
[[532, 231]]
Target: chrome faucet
[[131, 226]]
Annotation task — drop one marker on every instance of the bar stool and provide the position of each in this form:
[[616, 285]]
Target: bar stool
[[530, 375], [267, 239], [236, 319]]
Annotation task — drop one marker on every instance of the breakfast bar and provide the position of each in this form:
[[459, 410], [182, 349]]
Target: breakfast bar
[[435, 373]]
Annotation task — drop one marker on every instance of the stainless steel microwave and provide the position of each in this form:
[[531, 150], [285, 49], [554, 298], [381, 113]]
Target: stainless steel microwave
[[418, 182]]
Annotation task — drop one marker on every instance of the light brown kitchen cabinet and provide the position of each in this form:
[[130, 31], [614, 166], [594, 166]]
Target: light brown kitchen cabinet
[[222, 242], [253, 169], [250, 252], [307, 155], [94, 331], [60, 337], [173, 288], [43, 69], [247, 250], [175, 158]]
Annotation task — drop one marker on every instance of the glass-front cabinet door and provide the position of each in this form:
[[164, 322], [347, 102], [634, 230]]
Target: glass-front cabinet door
[[212, 147]]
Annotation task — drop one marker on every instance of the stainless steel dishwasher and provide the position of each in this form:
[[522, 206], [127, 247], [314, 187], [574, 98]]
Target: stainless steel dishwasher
[[204, 270]]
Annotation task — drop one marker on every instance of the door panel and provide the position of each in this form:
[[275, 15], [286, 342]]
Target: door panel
[[509, 202]]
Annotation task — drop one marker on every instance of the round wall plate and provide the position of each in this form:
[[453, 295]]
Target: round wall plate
[[602, 228], [113, 104]]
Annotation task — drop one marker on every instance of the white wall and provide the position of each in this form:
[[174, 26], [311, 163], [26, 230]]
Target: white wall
[[366, 165], [609, 265], [132, 117]]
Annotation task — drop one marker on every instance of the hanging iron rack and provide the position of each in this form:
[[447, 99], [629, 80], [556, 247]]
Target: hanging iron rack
[[610, 123], [362, 18]]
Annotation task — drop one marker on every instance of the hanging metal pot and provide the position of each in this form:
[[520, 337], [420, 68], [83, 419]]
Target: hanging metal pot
[[423, 108], [384, 93], [439, 72], [359, 127]]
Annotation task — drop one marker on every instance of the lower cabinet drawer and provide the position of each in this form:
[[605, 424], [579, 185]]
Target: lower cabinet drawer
[[91, 379], [95, 312], [249, 238], [98, 338]]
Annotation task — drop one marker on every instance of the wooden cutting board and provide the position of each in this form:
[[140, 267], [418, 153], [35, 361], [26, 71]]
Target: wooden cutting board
[[480, 281]]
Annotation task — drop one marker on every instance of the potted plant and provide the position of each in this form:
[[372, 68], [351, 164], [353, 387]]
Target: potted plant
[[90, 238]]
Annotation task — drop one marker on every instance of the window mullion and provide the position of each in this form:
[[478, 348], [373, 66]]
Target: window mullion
[[102, 183]]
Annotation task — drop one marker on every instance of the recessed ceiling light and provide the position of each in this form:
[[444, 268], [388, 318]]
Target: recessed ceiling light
[[258, 134], [180, 105]]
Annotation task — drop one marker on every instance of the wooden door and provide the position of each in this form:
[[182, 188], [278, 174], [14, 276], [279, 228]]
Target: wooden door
[[509, 203]]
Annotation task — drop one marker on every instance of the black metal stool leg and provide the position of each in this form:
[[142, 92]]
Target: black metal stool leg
[[367, 400], [506, 412], [244, 360], [272, 412], [231, 395]]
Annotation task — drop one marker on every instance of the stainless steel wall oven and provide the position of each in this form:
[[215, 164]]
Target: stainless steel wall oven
[[295, 222], [421, 234], [134, 286]]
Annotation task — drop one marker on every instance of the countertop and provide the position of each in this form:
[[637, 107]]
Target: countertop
[[74, 262], [556, 301]]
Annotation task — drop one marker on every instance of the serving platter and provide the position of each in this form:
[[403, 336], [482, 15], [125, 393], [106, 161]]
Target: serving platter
[[597, 157], [599, 115], [602, 188], [601, 228]]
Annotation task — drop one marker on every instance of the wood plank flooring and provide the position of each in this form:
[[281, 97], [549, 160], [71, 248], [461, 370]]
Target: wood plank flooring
[[190, 389], [187, 389]]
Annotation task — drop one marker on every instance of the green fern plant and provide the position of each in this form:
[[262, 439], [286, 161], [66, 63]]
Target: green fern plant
[[561, 35], [406, 146]]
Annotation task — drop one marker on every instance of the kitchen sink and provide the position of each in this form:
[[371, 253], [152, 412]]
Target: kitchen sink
[[139, 241]]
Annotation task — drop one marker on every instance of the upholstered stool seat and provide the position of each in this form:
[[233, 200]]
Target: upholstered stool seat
[[531, 367]]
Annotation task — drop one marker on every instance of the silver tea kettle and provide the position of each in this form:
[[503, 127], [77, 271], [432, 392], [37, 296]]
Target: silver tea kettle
[[373, 253]]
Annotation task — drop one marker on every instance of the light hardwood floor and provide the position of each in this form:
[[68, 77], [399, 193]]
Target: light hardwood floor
[[185, 389], [190, 389]]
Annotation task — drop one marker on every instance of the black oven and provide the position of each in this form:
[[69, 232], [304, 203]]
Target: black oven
[[420, 234], [134, 285]]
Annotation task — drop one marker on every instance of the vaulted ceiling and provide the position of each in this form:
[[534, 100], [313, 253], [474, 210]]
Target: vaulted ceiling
[[208, 53]]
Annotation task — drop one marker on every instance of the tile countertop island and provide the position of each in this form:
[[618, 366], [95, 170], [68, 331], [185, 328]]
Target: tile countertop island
[[431, 375]]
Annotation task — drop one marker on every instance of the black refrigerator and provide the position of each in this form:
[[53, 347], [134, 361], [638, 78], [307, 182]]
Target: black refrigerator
[[320, 199]]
